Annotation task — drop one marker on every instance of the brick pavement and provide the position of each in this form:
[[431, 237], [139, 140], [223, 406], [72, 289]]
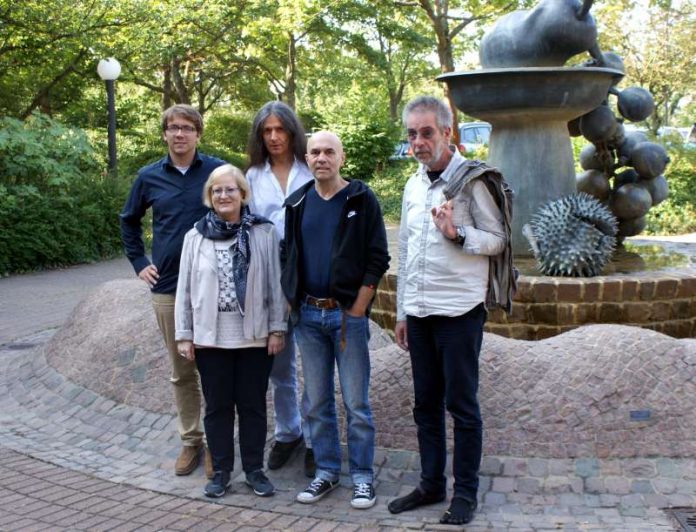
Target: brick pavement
[[69, 453]]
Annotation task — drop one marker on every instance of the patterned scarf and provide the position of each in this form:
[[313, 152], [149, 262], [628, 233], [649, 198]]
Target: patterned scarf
[[215, 228]]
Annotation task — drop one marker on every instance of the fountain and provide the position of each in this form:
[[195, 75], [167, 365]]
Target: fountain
[[529, 98]]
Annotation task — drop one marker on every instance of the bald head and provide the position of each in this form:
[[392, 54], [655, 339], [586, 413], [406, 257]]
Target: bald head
[[325, 156], [325, 137]]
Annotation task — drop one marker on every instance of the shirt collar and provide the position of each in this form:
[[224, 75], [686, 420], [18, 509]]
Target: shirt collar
[[197, 160], [454, 163]]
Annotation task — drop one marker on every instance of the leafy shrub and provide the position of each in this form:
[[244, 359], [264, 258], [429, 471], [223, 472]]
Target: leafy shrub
[[388, 185], [368, 144], [677, 214], [56, 208], [226, 130]]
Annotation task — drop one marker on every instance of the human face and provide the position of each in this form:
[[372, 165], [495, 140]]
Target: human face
[[226, 197], [275, 137], [325, 156], [429, 144], [182, 144]]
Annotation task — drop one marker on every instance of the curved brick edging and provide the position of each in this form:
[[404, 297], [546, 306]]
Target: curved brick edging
[[663, 301]]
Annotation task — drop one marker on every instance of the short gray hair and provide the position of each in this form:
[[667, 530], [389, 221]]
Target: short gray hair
[[419, 104]]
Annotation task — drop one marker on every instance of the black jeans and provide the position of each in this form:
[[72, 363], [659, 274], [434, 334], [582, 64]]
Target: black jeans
[[444, 359], [235, 378]]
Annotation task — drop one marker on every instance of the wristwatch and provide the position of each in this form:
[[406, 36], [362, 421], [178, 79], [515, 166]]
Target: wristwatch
[[460, 238]]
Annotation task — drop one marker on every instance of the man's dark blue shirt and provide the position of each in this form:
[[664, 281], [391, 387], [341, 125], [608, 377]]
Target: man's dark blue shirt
[[176, 200]]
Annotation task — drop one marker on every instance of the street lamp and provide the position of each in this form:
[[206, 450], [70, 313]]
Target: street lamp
[[108, 70]]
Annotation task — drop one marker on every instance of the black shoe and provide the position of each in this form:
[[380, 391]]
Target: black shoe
[[363, 496], [218, 485], [281, 452], [461, 512], [413, 500], [316, 490], [310, 467], [258, 481]]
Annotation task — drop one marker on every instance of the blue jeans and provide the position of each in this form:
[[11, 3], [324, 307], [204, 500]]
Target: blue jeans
[[318, 336], [444, 358], [288, 421]]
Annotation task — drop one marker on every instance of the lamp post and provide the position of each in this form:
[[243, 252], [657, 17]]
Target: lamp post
[[108, 70]]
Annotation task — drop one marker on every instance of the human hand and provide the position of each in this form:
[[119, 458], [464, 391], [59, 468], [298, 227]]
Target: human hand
[[401, 335], [275, 344], [356, 310], [185, 349], [149, 274], [442, 218]]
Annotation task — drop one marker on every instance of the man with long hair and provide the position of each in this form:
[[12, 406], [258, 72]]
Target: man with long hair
[[276, 168]]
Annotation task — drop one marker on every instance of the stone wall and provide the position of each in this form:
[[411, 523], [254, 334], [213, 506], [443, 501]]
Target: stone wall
[[546, 306]]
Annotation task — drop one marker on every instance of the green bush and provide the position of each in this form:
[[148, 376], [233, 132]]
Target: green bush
[[368, 144], [388, 185], [677, 214], [227, 130], [56, 207]]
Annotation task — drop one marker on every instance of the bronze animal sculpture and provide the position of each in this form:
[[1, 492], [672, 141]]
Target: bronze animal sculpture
[[547, 35]]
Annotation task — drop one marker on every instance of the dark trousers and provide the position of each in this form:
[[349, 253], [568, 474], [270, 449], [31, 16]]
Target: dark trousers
[[444, 359], [235, 378]]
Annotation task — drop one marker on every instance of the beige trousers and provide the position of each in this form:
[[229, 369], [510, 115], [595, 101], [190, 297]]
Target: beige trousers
[[187, 387]]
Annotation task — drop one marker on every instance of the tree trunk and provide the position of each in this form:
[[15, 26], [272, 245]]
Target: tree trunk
[[167, 89], [181, 94], [290, 72], [444, 52]]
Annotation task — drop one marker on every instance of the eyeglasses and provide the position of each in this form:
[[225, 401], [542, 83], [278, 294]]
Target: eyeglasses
[[217, 192], [427, 133], [183, 129]]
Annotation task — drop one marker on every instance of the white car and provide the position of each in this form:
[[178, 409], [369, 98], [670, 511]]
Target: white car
[[473, 135]]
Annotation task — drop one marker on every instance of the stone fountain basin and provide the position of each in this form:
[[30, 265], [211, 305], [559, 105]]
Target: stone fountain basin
[[534, 93]]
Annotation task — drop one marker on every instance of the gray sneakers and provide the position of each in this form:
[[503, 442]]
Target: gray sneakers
[[258, 481]]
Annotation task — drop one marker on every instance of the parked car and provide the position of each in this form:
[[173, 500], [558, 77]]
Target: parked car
[[473, 135], [685, 136], [401, 151]]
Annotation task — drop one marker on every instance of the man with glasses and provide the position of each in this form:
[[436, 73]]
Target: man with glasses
[[173, 188], [455, 220]]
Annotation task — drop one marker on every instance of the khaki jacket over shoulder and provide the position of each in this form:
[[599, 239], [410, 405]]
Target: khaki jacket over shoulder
[[196, 308]]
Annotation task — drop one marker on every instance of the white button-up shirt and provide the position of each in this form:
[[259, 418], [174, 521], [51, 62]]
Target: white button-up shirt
[[437, 276], [267, 196]]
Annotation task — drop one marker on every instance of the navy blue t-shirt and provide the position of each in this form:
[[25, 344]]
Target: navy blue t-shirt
[[319, 224]]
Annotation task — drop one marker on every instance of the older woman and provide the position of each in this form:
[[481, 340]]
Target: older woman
[[231, 319]]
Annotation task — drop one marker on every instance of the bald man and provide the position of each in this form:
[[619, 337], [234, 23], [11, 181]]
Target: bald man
[[335, 251]]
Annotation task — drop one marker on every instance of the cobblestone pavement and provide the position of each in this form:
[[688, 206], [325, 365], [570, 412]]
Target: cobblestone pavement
[[71, 459]]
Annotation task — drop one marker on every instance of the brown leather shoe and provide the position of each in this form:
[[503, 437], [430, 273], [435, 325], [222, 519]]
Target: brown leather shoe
[[208, 463], [188, 460]]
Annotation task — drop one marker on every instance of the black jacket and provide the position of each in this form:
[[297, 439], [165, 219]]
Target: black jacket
[[359, 254]]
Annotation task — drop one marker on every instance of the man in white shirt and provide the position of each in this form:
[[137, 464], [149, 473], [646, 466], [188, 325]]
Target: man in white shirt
[[444, 252], [276, 169]]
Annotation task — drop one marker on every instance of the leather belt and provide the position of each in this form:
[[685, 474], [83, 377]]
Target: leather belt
[[326, 303]]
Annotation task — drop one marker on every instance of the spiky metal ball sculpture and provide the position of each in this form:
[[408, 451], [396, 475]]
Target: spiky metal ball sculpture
[[574, 236]]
